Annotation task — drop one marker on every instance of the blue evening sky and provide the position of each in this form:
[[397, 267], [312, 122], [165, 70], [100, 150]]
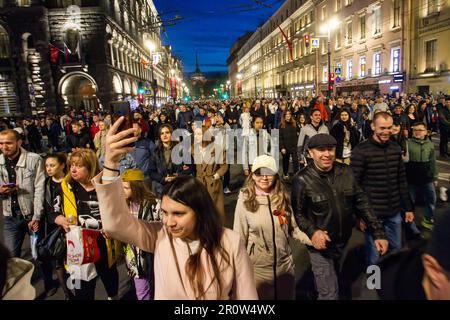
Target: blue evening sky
[[211, 27]]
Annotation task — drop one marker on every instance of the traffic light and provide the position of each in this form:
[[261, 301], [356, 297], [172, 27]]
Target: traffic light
[[306, 40], [140, 98], [330, 87], [141, 89], [332, 77]]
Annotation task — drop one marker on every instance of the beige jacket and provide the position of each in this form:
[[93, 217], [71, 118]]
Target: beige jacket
[[205, 173], [256, 230], [18, 281], [172, 282]]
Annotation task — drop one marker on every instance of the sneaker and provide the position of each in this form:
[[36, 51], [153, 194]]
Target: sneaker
[[428, 223], [226, 190], [443, 194]]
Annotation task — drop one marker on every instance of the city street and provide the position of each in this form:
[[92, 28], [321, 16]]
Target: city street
[[353, 266]]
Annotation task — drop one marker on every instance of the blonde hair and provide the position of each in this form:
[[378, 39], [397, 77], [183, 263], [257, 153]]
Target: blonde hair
[[280, 197], [88, 159]]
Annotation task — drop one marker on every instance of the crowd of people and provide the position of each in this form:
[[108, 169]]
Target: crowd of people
[[347, 162]]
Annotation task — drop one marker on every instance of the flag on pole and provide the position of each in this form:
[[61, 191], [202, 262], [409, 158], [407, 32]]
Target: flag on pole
[[289, 43], [144, 62]]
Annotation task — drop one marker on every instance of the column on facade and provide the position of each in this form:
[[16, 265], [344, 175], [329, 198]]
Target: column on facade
[[111, 52]]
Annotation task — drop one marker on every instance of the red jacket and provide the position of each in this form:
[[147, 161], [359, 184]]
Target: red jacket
[[94, 129]]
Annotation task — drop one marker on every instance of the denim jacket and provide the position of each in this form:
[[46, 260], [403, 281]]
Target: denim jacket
[[30, 179]]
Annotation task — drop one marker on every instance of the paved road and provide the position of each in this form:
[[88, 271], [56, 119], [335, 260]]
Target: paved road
[[353, 266]]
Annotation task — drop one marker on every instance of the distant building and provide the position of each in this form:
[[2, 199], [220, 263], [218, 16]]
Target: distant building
[[377, 47], [58, 54], [234, 76], [198, 80]]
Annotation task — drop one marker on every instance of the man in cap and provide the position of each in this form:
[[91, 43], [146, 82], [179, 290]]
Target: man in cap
[[326, 201]]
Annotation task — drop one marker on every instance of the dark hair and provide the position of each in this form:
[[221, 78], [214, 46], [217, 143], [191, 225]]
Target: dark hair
[[4, 256], [190, 192], [140, 192], [160, 146], [61, 158]]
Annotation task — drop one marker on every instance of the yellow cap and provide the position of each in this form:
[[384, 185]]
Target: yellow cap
[[133, 175]]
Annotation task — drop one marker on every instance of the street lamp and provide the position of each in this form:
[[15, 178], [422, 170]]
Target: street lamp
[[255, 69], [152, 47], [327, 28]]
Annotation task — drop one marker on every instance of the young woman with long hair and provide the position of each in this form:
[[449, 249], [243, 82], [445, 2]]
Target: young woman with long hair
[[195, 257], [142, 203], [346, 135], [289, 133], [56, 168], [263, 218]]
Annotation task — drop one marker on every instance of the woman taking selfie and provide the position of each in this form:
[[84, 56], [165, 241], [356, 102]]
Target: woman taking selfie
[[263, 218], [194, 256]]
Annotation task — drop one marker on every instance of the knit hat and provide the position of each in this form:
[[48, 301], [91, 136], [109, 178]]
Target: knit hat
[[133, 175]]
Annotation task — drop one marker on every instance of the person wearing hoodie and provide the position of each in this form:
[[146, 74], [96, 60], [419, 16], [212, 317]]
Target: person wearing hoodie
[[421, 172]]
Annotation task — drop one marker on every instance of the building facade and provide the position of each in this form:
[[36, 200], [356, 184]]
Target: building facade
[[376, 47], [430, 52], [61, 54]]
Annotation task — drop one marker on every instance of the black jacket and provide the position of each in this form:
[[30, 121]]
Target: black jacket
[[289, 137], [330, 202], [338, 133], [380, 171]]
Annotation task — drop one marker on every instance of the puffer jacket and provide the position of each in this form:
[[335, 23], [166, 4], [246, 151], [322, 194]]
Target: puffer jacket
[[421, 167], [380, 171], [30, 179], [319, 204]]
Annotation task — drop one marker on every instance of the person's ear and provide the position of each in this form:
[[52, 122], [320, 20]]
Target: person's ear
[[310, 152], [19, 143], [372, 126], [434, 271]]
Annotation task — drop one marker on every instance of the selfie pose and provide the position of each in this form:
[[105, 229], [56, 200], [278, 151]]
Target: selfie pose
[[194, 256]]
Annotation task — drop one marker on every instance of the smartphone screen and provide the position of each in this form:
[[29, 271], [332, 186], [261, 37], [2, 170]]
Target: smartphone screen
[[119, 109]]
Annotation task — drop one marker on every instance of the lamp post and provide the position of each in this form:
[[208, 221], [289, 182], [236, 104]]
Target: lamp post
[[255, 69], [327, 28], [228, 88], [152, 47]]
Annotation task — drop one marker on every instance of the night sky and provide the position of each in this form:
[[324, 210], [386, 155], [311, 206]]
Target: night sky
[[211, 27]]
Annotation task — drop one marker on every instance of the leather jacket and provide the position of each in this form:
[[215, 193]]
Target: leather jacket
[[331, 202]]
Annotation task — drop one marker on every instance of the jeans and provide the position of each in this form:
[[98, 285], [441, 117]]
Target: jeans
[[428, 192], [331, 283], [15, 228], [393, 231]]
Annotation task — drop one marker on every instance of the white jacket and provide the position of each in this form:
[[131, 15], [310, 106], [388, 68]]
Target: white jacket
[[30, 179]]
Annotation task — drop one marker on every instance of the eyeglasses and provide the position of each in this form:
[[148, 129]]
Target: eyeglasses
[[259, 175]]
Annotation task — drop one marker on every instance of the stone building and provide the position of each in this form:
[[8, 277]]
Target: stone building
[[376, 47], [58, 54]]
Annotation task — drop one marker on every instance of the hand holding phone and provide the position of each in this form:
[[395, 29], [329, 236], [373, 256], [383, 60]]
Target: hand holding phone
[[119, 109]]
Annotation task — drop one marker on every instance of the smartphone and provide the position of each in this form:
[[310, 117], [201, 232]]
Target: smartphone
[[119, 109]]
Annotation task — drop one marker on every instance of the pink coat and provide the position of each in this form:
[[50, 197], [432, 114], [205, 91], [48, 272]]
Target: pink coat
[[170, 283]]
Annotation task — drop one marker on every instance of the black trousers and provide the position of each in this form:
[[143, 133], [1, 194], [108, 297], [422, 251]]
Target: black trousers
[[443, 143], [109, 276], [292, 152]]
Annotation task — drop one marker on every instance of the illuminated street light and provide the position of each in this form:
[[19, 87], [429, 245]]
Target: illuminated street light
[[326, 28]]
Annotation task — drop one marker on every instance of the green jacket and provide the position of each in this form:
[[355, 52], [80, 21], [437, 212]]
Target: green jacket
[[421, 167]]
